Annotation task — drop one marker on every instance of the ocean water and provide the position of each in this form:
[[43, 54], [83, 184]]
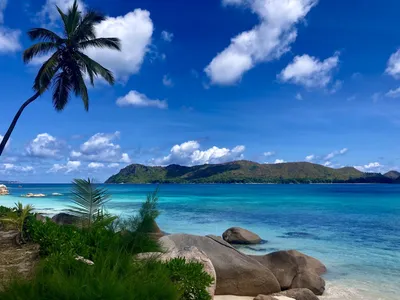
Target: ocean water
[[353, 229]]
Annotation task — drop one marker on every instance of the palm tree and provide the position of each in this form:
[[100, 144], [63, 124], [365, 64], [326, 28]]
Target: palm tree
[[68, 65], [18, 218], [89, 201]]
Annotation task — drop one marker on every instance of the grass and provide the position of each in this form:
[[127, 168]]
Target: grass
[[115, 273]]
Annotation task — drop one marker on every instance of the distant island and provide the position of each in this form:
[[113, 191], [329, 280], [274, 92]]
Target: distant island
[[249, 172]]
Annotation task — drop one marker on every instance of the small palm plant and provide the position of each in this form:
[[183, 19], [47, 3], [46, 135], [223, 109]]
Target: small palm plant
[[68, 65], [17, 218], [89, 201]]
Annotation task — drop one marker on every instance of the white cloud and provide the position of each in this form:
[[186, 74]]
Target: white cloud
[[9, 38], [373, 167], [134, 98], [336, 153], [9, 168], [8, 142], [44, 146], [393, 65], [167, 81], [393, 93], [70, 166], [189, 154], [167, 36], [100, 148], [328, 164], [309, 71], [310, 157], [299, 96], [269, 154], [267, 41], [279, 161], [49, 10], [94, 165], [113, 165], [135, 30]]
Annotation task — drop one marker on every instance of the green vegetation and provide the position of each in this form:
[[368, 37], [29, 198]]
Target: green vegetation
[[111, 244], [16, 218], [68, 65], [245, 172]]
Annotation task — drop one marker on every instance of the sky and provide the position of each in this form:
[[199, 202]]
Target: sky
[[210, 81]]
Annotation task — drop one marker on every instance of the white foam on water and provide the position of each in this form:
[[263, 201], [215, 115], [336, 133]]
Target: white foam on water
[[352, 290]]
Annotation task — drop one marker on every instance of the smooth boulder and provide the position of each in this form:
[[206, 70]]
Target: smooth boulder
[[237, 235], [237, 273], [65, 219], [294, 269], [191, 254], [296, 294]]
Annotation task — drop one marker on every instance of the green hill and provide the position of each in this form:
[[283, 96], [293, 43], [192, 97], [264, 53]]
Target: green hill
[[392, 174], [244, 172]]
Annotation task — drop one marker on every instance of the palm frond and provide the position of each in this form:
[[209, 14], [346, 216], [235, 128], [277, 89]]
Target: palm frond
[[44, 35], [46, 73], [96, 68], [86, 29], [41, 48], [73, 19], [81, 89], [110, 43], [64, 18], [88, 199], [61, 90]]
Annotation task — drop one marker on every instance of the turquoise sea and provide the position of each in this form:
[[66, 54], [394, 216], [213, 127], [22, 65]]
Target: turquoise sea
[[353, 229]]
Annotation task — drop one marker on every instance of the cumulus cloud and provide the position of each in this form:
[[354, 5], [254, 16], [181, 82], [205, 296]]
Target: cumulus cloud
[[100, 148], [373, 167], [113, 165], [393, 93], [9, 38], [279, 161], [269, 154], [94, 165], [189, 154], [167, 36], [167, 81], [393, 65], [336, 153], [299, 96], [70, 166], [309, 71], [44, 146], [8, 168], [8, 142], [267, 41], [310, 157], [135, 30], [134, 98], [328, 164]]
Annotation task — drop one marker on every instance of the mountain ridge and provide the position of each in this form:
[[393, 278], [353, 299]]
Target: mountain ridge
[[244, 171]]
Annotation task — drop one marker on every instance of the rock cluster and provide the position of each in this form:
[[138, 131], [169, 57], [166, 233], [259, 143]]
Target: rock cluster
[[3, 190], [279, 275]]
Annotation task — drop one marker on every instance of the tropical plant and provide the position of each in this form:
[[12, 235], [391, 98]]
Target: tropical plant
[[89, 201], [17, 218], [68, 64]]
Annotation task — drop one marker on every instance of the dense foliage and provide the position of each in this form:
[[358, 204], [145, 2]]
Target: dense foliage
[[111, 244], [245, 172]]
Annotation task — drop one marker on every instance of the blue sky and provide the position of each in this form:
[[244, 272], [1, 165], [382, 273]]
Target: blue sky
[[211, 81]]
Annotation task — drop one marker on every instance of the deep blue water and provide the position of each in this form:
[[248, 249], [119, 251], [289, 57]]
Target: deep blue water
[[353, 229]]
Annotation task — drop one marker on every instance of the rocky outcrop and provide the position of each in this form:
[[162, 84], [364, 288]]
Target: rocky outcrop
[[295, 270], [237, 273], [31, 195], [3, 190], [296, 294], [237, 235], [65, 219], [191, 254]]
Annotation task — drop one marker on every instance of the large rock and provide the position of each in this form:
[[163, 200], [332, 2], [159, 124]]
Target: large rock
[[65, 219], [296, 294], [237, 235], [191, 254], [294, 269], [237, 273], [3, 190]]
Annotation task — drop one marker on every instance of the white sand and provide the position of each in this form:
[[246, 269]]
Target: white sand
[[228, 297]]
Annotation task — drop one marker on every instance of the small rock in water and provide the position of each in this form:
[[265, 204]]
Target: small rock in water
[[300, 235], [237, 235]]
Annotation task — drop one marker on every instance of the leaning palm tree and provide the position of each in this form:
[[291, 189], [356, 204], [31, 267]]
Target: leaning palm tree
[[89, 201], [68, 65]]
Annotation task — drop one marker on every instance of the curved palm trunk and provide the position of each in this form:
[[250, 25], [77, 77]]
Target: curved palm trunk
[[15, 120]]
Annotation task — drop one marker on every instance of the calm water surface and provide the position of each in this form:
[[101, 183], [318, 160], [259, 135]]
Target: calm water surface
[[353, 229]]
